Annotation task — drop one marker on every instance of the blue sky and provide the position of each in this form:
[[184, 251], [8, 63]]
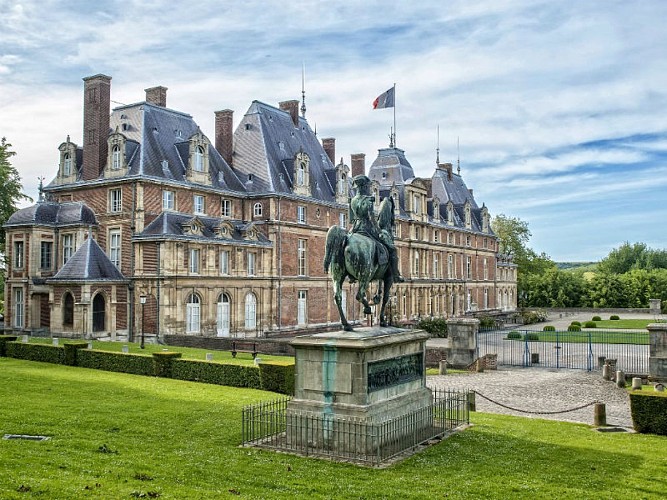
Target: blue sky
[[559, 107]]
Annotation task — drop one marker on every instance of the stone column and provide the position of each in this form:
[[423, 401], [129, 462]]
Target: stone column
[[654, 306], [462, 334], [657, 361]]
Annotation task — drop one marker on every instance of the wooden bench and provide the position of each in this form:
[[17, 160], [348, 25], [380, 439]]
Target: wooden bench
[[244, 347]]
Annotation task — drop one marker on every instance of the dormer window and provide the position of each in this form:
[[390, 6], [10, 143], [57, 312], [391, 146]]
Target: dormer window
[[302, 174], [468, 215], [198, 161], [450, 214], [67, 164], [116, 164], [67, 160], [198, 164], [115, 157], [342, 184]]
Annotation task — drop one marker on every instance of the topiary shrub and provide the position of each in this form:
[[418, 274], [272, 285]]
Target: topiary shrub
[[3, 341], [576, 323], [549, 328], [162, 362], [513, 336], [277, 377], [590, 324], [71, 349], [649, 413], [531, 337], [614, 317], [597, 318], [216, 373], [137, 364], [36, 352], [574, 328]]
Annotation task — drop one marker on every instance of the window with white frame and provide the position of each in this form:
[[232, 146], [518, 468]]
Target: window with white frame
[[168, 200], [251, 263], [67, 166], [198, 203], [415, 269], [224, 262], [115, 158], [18, 255], [436, 265], [342, 220], [302, 309], [198, 164], [301, 258], [18, 307], [195, 256], [223, 315], [226, 208], [415, 204], [342, 184], [301, 174], [114, 247], [450, 266], [115, 200], [193, 314], [486, 298], [257, 209], [68, 247], [469, 267], [250, 311], [301, 214]]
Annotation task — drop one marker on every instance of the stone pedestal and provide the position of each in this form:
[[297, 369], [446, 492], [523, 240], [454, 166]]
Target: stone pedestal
[[654, 306], [462, 335], [657, 361], [368, 376]]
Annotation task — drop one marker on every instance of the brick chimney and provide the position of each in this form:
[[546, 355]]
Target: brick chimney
[[157, 96], [292, 107], [329, 145], [358, 164], [224, 134], [96, 110], [448, 168]]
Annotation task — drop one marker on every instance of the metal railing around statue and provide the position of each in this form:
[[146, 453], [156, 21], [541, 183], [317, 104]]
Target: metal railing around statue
[[269, 425]]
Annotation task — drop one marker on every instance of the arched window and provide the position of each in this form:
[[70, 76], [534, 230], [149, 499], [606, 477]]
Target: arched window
[[301, 174], [257, 209], [250, 311], [342, 185], [67, 164], [192, 314], [99, 313], [115, 157], [68, 310], [199, 159], [223, 314]]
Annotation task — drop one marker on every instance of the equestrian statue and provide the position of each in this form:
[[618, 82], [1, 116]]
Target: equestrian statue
[[365, 254]]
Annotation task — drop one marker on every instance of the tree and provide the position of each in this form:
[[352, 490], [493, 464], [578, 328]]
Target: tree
[[11, 193]]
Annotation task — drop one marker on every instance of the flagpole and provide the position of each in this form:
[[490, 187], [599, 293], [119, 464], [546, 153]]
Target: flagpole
[[395, 115]]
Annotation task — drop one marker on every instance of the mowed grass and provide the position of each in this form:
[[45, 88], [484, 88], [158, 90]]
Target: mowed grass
[[595, 337], [626, 324], [123, 436]]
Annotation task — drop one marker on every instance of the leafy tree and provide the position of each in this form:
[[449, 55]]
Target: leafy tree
[[11, 193]]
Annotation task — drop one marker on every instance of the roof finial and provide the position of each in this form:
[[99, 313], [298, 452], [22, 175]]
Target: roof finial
[[303, 89], [437, 149], [391, 137], [458, 157], [41, 188]]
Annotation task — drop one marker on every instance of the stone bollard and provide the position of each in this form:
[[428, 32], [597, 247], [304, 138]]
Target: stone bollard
[[209, 356], [480, 365], [606, 372], [55, 341], [472, 406], [636, 383], [620, 378], [442, 367], [90, 344], [25, 339], [126, 349], [599, 415], [601, 361]]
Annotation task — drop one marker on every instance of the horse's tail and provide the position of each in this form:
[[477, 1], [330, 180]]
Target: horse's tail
[[335, 244]]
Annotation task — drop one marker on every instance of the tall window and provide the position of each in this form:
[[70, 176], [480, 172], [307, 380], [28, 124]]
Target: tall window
[[18, 255], [194, 260], [115, 200], [199, 159], [68, 247], [18, 307], [257, 209], [469, 267], [198, 203], [486, 298], [450, 266], [167, 200], [301, 316], [192, 314], [226, 208], [251, 264], [301, 214], [114, 247], [415, 203], [224, 262], [416, 264], [223, 314], [250, 311], [46, 255], [67, 167], [115, 158], [301, 174], [342, 220], [301, 258], [436, 265], [68, 310], [486, 269], [342, 184]]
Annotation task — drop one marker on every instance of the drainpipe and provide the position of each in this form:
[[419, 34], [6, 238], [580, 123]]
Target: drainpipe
[[157, 321]]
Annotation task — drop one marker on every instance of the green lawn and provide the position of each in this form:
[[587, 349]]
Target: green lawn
[[596, 337], [122, 436], [626, 324]]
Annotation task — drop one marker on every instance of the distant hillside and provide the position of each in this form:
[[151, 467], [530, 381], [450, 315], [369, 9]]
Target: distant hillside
[[577, 266]]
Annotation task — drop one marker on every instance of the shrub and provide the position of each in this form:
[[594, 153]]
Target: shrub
[[136, 364], [513, 335], [277, 377], [216, 373], [576, 323], [574, 328], [597, 318], [36, 352], [162, 362], [531, 337], [3, 341], [531, 317], [71, 349], [590, 324], [549, 328], [487, 322], [614, 317], [649, 413], [437, 327]]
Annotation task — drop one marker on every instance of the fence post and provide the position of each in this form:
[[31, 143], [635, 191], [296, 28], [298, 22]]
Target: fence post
[[599, 415], [472, 406]]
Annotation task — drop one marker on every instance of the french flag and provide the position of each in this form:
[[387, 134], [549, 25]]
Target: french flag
[[385, 100]]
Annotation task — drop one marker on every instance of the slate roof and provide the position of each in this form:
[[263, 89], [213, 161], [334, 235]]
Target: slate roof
[[266, 143], [54, 214], [454, 189], [393, 163], [89, 263]]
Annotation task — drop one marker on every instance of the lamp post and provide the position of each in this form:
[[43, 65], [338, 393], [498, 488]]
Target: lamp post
[[142, 299]]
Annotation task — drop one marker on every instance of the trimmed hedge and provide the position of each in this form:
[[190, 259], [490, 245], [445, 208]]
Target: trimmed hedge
[[531, 337], [590, 324], [549, 328], [36, 352], [162, 363], [513, 336], [277, 377], [614, 317], [596, 318], [574, 328], [575, 323], [3, 342], [136, 364], [649, 413], [216, 373], [437, 327], [71, 349]]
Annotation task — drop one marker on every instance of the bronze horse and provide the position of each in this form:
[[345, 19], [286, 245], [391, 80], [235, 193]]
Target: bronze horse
[[362, 259]]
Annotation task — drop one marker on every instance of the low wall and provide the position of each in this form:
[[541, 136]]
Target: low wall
[[277, 346]]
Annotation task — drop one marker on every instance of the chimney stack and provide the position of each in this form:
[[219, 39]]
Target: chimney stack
[[224, 134], [292, 107], [96, 110], [448, 168], [329, 145], [358, 164], [157, 96]]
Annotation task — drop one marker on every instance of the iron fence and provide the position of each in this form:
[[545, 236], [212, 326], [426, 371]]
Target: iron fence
[[587, 350], [271, 425]]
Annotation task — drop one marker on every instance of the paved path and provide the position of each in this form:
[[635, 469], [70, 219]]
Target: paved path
[[542, 390]]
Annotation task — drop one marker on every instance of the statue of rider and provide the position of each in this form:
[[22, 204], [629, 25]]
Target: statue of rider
[[364, 222]]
